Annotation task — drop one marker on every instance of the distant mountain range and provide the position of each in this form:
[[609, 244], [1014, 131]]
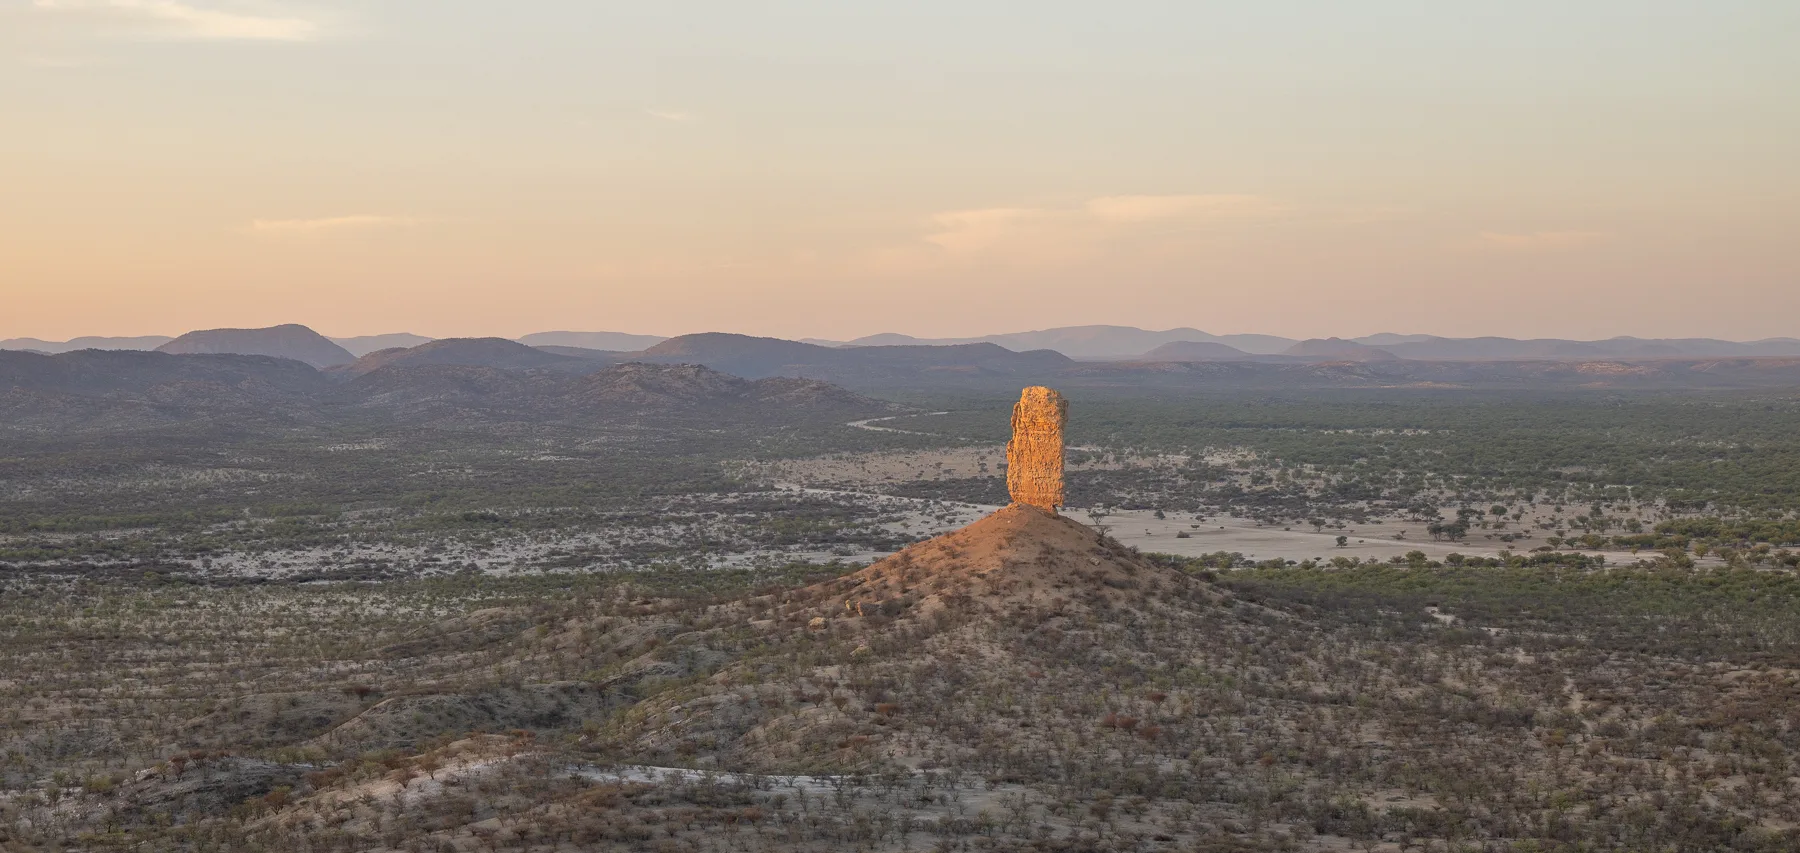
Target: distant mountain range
[[863, 367], [609, 341], [472, 352], [1087, 342], [121, 391], [147, 342], [364, 344], [299, 377], [1082, 343]]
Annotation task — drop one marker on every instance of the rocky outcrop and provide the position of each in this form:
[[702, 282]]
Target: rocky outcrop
[[1034, 456]]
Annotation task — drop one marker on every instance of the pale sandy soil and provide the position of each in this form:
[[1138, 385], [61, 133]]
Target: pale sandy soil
[[1144, 531], [1219, 533]]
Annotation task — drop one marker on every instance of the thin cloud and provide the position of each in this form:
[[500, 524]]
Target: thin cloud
[[672, 115], [1145, 208], [329, 223], [179, 20], [1540, 241], [1040, 236]]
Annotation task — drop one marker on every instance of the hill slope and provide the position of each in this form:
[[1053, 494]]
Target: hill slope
[[147, 342], [1338, 349], [1195, 351], [291, 340], [420, 393], [1021, 684], [126, 389], [1092, 342], [859, 367], [498, 353], [362, 345], [606, 341]]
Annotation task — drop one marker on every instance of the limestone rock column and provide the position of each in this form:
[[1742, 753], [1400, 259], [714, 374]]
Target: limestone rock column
[[1034, 456]]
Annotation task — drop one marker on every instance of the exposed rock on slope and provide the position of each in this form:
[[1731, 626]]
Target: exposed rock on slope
[[287, 341]]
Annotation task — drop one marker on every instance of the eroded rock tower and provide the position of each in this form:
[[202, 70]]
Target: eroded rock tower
[[1034, 456]]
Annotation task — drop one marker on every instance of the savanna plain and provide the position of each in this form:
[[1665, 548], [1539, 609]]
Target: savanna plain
[[1366, 619]]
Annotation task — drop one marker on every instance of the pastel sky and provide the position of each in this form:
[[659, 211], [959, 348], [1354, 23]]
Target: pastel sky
[[936, 167]]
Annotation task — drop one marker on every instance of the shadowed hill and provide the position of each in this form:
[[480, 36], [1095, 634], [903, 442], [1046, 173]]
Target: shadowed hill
[[1338, 349], [1494, 348], [146, 342], [1526, 375], [1195, 351], [879, 366], [435, 391], [362, 345], [603, 341], [130, 373], [291, 340], [498, 353], [1093, 342], [127, 389], [123, 390]]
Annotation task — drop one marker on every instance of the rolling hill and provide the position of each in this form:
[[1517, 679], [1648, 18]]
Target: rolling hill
[[291, 340], [862, 367], [498, 353], [1337, 349], [147, 342], [605, 341], [362, 345], [423, 393], [1195, 351], [1091, 342]]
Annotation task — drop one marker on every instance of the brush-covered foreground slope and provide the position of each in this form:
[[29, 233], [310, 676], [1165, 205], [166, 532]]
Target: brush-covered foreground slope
[[1022, 684], [901, 662]]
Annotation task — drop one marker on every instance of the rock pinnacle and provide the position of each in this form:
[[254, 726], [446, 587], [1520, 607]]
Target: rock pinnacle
[[1034, 456]]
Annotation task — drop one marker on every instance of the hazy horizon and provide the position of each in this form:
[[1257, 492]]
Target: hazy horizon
[[803, 169], [1226, 333]]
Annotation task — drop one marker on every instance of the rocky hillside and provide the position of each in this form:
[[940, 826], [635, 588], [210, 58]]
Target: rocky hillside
[[1022, 684]]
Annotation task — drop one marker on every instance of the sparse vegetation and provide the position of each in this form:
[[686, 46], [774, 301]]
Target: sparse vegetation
[[650, 666]]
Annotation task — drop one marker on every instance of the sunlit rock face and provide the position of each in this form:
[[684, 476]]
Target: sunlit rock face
[[1034, 457]]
